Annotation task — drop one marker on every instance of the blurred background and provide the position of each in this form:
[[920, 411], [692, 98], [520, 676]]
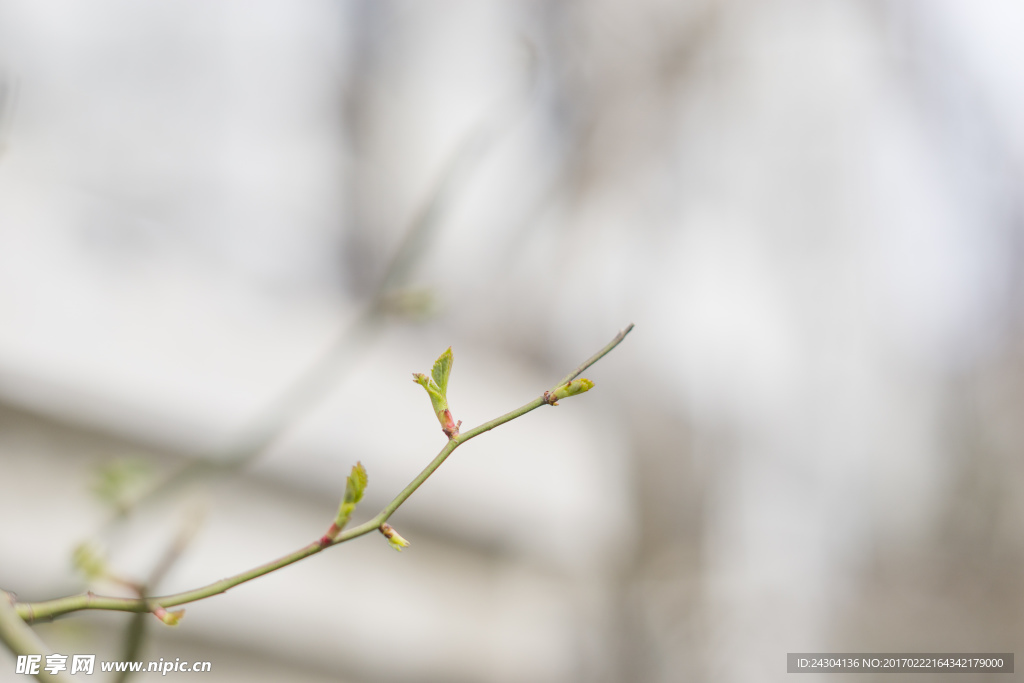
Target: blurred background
[[229, 231]]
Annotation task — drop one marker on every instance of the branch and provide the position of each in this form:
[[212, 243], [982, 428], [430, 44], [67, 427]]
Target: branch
[[89, 600], [19, 638]]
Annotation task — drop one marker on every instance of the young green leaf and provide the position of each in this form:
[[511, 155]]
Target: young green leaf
[[442, 370]]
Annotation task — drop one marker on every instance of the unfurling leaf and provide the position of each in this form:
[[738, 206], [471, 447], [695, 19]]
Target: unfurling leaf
[[437, 388], [355, 487], [437, 399]]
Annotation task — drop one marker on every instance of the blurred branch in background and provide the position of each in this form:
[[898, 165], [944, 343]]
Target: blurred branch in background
[[19, 638], [7, 104], [391, 296], [135, 631]]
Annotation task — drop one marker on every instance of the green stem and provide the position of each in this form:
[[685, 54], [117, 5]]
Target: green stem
[[72, 603], [19, 638]]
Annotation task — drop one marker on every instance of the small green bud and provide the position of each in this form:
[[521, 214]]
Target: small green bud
[[171, 618], [394, 538], [577, 386]]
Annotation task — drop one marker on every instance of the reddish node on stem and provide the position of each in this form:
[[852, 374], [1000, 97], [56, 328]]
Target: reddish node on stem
[[450, 427], [331, 534]]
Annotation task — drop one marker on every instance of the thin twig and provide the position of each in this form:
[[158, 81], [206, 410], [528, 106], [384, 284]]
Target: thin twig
[[184, 537], [596, 357], [74, 603]]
